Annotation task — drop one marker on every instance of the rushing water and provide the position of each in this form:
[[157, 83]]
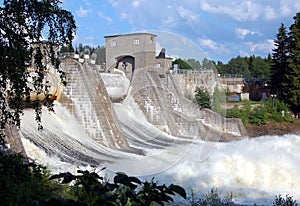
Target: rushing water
[[254, 170]]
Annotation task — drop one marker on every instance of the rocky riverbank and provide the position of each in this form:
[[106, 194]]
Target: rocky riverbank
[[274, 128]]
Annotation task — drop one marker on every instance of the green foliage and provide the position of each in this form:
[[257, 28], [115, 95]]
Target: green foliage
[[208, 64], [66, 49], [23, 182], [291, 92], [280, 60], [202, 98], [259, 67], [219, 100], [242, 113], [236, 65], [31, 185], [195, 64], [286, 65], [211, 199], [258, 116], [100, 51], [182, 64], [23, 25], [287, 201], [125, 190], [86, 49], [274, 109], [253, 66], [214, 199]]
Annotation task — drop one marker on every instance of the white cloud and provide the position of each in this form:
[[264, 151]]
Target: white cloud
[[225, 25], [208, 43], [83, 12], [136, 3], [242, 32], [284, 8], [247, 10], [169, 21], [270, 13], [107, 18], [114, 3], [213, 47], [251, 10], [266, 46], [289, 8], [187, 14]]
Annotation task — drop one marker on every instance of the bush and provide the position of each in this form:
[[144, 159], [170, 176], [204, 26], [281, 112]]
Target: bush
[[242, 113], [211, 199], [219, 100], [202, 98], [22, 182], [287, 201], [95, 190], [258, 116]]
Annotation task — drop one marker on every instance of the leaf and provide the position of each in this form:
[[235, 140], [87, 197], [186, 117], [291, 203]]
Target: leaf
[[179, 190], [135, 180], [61, 175], [123, 179], [67, 177]]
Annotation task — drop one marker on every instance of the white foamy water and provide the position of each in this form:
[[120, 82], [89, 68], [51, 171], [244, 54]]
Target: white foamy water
[[254, 170]]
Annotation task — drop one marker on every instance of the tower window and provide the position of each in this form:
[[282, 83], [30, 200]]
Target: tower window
[[113, 43], [136, 41]]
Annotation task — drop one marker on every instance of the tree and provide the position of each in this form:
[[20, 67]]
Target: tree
[[261, 68], [208, 64], [281, 201], [238, 65], [221, 67], [253, 66], [195, 64], [202, 98], [100, 51], [124, 190], [22, 25], [22, 183], [280, 57], [291, 92], [182, 64], [66, 49], [219, 101]]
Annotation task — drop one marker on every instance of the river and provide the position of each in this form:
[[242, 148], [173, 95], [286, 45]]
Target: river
[[253, 170]]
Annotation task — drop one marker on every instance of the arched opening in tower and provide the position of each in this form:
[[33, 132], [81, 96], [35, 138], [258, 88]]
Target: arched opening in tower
[[126, 63]]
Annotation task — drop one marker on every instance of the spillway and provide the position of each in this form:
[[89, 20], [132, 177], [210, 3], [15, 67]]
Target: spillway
[[152, 131], [253, 170]]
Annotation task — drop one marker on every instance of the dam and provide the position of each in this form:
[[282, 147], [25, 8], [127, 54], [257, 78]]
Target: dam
[[133, 116], [92, 100]]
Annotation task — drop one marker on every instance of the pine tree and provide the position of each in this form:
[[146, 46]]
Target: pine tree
[[280, 57], [202, 98], [291, 92]]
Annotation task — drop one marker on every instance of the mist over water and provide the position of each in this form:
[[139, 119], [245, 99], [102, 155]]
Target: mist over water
[[254, 170]]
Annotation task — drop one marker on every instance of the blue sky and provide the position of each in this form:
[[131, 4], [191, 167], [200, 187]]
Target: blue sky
[[221, 29]]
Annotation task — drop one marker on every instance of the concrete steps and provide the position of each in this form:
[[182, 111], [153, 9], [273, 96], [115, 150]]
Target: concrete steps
[[91, 105]]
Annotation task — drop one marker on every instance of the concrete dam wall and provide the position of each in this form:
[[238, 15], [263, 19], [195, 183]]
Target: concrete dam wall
[[160, 97], [105, 114], [87, 98]]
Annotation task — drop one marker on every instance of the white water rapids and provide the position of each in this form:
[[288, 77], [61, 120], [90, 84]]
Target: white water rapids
[[254, 170]]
